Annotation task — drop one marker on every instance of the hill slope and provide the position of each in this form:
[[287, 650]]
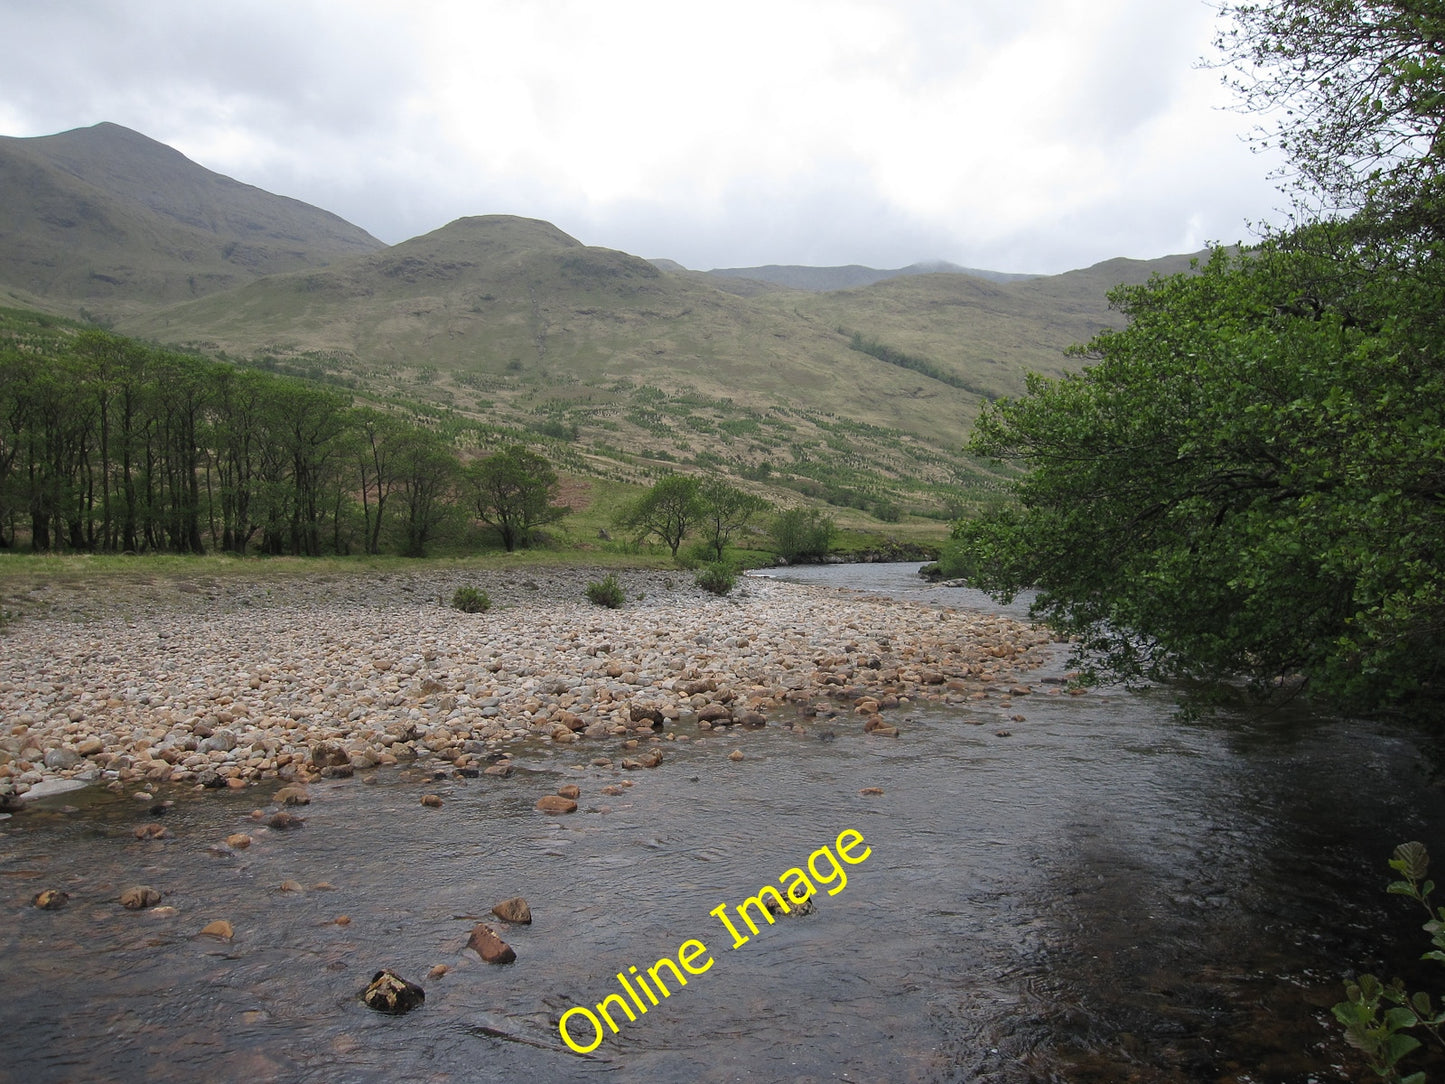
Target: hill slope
[[622, 367], [514, 324], [111, 219]]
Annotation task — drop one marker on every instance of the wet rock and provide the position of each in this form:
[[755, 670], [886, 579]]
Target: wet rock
[[50, 899], [570, 790], [871, 791], [612, 790], [491, 948], [220, 929], [646, 713], [794, 908], [61, 759], [284, 822], [884, 732], [438, 971], [433, 801], [514, 910], [736, 754], [502, 768], [555, 803], [291, 886], [292, 796], [139, 898], [388, 992], [752, 719], [328, 754], [714, 714], [238, 840], [151, 831]]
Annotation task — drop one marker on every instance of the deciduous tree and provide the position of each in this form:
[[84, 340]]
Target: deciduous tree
[[515, 491]]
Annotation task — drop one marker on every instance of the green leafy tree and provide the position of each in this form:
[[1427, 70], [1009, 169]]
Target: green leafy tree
[[803, 534], [1237, 484], [515, 491], [726, 510], [1356, 90], [427, 472], [670, 510]]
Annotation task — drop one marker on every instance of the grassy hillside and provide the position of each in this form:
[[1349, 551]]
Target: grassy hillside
[[617, 367], [632, 369]]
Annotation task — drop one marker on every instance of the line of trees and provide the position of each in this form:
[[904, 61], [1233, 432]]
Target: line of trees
[[108, 445]]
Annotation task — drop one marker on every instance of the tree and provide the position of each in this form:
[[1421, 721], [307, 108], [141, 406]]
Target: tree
[[515, 491], [801, 533], [426, 470], [725, 510], [1357, 88], [669, 510], [1238, 484]]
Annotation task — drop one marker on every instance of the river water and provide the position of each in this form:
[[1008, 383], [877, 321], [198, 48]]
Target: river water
[[1095, 892]]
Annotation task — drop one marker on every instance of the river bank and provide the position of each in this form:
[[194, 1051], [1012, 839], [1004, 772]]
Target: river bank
[[226, 681]]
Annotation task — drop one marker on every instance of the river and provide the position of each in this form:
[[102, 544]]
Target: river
[[1061, 889]]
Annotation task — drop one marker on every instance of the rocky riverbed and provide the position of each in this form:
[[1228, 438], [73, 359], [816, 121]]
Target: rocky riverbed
[[225, 681]]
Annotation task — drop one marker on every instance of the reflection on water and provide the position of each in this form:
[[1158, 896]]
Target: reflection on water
[[1104, 894]]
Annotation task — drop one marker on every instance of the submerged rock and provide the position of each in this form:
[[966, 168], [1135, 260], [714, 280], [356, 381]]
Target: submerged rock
[[555, 803], [514, 910], [139, 898], [50, 899]]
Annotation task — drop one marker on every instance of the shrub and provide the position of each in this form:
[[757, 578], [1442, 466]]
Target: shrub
[[471, 601], [803, 533], [607, 592], [719, 578]]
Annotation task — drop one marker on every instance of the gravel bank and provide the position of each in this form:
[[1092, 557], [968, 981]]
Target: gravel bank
[[226, 681]]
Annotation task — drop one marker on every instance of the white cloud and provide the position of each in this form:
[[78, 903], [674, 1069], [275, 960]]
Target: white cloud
[[1035, 134]]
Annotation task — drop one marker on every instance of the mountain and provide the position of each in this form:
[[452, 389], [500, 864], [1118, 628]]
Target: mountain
[[825, 279], [618, 367], [107, 218]]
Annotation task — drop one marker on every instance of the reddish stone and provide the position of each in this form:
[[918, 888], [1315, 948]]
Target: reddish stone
[[491, 948]]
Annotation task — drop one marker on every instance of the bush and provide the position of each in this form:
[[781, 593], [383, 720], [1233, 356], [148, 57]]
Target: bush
[[607, 592], [471, 601], [719, 578], [803, 533]]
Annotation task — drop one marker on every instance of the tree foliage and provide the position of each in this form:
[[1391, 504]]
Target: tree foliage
[[670, 510], [724, 510], [1242, 482], [109, 445], [802, 534], [515, 491], [1356, 89], [1250, 477]]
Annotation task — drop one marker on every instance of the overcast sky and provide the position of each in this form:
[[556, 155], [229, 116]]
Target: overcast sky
[[1014, 135]]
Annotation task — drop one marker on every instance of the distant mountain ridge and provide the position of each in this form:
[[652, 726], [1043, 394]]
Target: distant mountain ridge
[[110, 218], [852, 276]]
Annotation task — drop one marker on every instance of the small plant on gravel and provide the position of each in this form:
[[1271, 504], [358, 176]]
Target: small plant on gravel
[[719, 578], [607, 592], [471, 601]]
